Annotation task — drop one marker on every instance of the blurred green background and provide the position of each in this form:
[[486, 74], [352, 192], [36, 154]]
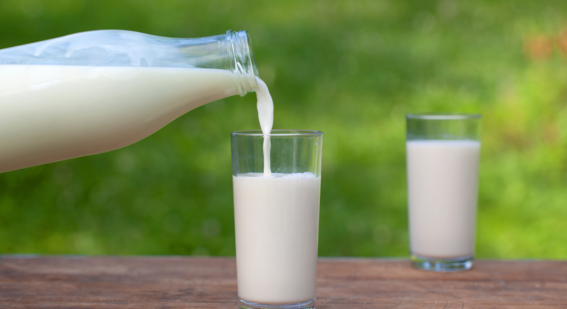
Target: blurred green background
[[351, 69]]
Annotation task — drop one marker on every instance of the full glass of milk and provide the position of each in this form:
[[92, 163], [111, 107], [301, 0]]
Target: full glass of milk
[[442, 165], [276, 212]]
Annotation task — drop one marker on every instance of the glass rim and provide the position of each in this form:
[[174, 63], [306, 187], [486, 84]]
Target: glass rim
[[443, 116], [277, 132]]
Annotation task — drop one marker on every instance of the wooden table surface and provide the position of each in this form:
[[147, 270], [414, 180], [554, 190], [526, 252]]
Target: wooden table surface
[[183, 282]]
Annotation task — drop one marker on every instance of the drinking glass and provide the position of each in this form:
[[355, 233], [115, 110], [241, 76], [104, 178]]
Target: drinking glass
[[276, 217], [442, 169]]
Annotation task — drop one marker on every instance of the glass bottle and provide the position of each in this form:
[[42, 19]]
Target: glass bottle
[[97, 91]]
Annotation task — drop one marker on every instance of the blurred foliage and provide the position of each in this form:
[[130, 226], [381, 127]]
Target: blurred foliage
[[351, 69]]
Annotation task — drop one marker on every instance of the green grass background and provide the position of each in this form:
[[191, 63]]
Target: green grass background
[[351, 69]]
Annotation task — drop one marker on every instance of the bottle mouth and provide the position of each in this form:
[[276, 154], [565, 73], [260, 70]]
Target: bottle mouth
[[243, 66]]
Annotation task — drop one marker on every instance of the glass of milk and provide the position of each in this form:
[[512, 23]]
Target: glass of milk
[[442, 165], [276, 216]]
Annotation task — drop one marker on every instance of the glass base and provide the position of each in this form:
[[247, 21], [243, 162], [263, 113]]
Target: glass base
[[442, 265], [242, 304]]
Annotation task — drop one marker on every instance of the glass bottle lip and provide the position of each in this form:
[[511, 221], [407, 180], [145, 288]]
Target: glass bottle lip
[[278, 132], [443, 116], [243, 61], [251, 56]]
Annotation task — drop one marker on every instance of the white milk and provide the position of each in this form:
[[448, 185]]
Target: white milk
[[50, 113], [442, 185], [266, 117], [277, 221]]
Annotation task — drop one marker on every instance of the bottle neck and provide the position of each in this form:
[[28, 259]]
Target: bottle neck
[[242, 62]]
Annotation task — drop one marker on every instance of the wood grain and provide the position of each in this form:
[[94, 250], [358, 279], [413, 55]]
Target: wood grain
[[180, 282]]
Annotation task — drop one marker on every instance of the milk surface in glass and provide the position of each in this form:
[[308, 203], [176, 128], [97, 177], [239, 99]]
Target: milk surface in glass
[[277, 220], [442, 183]]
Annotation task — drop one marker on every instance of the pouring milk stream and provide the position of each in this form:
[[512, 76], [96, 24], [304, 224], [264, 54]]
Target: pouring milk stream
[[97, 91], [266, 116]]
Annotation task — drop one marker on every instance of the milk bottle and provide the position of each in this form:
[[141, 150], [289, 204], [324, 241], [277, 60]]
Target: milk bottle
[[97, 91]]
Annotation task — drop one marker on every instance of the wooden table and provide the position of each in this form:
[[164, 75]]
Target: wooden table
[[182, 282]]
